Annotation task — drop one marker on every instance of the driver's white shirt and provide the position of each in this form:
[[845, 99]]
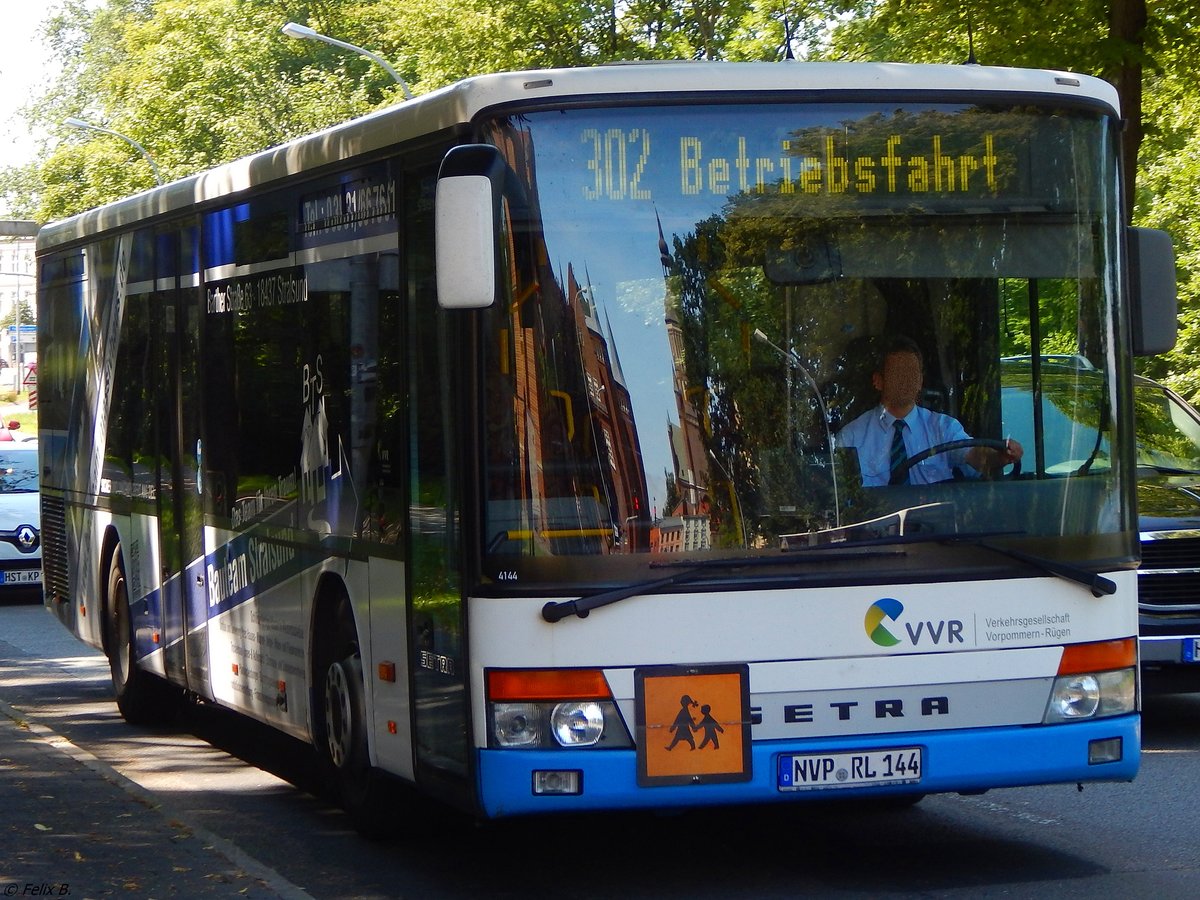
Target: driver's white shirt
[[871, 435]]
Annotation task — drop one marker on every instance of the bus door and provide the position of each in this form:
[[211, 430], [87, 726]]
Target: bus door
[[437, 654], [180, 479]]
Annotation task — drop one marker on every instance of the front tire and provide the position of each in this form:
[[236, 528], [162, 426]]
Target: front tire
[[342, 739]]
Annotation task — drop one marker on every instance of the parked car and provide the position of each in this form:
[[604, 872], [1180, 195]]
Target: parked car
[[1168, 471], [1168, 432], [20, 520]]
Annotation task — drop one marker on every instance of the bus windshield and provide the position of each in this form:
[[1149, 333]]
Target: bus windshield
[[688, 362]]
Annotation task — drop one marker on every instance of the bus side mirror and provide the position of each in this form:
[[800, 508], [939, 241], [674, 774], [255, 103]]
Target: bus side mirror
[[1153, 305], [467, 217]]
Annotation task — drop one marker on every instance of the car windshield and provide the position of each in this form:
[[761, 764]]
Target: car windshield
[[18, 471], [1168, 430], [701, 301]]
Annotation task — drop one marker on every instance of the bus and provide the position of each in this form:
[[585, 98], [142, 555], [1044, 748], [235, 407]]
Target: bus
[[491, 443]]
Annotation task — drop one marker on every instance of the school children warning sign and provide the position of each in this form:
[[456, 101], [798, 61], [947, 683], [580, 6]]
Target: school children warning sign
[[693, 724]]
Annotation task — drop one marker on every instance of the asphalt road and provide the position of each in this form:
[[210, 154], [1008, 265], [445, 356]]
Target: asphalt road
[[248, 797]]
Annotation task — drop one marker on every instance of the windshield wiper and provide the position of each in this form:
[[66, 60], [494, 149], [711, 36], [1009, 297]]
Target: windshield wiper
[[1097, 584], [556, 611]]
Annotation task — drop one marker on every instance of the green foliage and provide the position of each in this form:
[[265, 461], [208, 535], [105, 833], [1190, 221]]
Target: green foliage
[[1054, 34], [1168, 199], [196, 82], [1081, 37], [446, 40], [26, 313], [200, 82]]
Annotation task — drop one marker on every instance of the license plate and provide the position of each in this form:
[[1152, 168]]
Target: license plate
[[23, 576], [1191, 650], [821, 771]]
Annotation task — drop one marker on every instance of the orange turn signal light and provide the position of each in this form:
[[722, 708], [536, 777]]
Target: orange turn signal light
[[547, 684], [1098, 657]]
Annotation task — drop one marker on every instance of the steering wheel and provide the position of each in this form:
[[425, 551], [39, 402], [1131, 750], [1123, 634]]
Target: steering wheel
[[900, 473]]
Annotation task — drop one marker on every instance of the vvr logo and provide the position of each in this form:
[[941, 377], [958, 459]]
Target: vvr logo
[[888, 610]]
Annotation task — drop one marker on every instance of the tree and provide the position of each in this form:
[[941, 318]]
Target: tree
[[197, 82], [1144, 50], [1168, 200], [1114, 39], [22, 313], [200, 82]]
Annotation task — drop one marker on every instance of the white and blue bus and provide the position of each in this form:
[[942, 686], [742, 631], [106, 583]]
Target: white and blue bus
[[489, 442]]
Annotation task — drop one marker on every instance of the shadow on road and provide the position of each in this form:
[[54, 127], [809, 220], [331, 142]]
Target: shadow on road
[[945, 844]]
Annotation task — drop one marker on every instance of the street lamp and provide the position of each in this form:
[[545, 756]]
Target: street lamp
[[304, 33], [88, 126]]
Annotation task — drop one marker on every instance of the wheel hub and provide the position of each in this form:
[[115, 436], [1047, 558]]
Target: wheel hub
[[339, 714]]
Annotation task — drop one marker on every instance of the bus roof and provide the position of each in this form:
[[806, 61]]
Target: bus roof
[[458, 104]]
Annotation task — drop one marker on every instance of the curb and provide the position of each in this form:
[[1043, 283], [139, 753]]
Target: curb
[[268, 877]]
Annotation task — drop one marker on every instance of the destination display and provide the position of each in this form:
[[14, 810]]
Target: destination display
[[618, 160], [861, 155]]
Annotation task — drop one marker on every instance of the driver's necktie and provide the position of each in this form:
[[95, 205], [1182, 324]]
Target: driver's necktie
[[899, 454]]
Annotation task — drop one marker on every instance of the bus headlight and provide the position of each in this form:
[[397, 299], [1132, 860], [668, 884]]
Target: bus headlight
[[553, 708], [517, 724], [1074, 697], [1091, 695], [578, 724], [570, 723]]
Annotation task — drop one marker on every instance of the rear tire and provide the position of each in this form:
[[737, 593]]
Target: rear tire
[[142, 697]]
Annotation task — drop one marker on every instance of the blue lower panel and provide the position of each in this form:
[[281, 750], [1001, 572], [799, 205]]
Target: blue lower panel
[[953, 761]]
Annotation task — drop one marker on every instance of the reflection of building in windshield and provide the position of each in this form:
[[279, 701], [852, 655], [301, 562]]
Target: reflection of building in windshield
[[579, 443], [610, 418], [686, 524], [566, 431]]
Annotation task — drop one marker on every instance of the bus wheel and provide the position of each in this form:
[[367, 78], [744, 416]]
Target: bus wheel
[[344, 712], [142, 697], [343, 742]]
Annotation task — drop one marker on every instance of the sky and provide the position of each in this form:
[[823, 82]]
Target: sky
[[23, 67]]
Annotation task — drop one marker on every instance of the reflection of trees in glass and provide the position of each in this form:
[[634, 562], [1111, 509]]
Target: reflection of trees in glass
[[1162, 439], [1074, 409], [762, 433], [870, 232], [1064, 307]]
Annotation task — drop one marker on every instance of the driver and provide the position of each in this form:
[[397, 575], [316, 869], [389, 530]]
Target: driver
[[897, 428]]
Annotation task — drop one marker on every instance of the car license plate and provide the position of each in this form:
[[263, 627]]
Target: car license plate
[[23, 576], [1191, 650], [819, 771]]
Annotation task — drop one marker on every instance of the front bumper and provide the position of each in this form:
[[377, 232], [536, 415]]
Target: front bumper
[[969, 760]]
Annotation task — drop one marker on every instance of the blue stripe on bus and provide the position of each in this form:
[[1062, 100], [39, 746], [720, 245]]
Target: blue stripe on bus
[[147, 620], [964, 760], [248, 565]]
